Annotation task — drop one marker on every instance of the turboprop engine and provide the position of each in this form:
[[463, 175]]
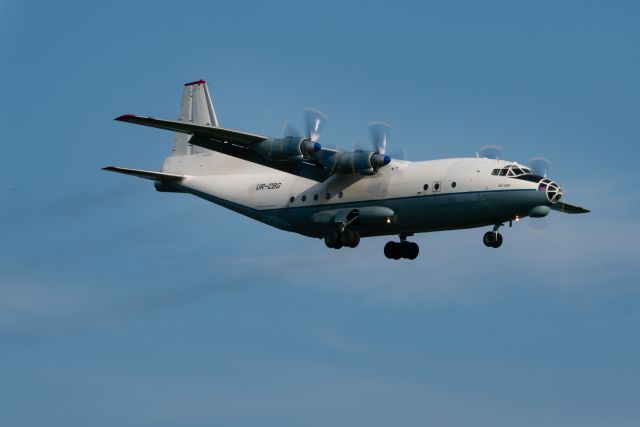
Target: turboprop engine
[[289, 148], [294, 146], [362, 162], [367, 162]]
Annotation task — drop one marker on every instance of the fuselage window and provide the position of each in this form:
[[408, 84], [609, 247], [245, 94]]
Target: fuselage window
[[315, 197], [425, 187], [291, 199], [453, 184], [327, 196], [436, 186], [340, 194], [304, 198]]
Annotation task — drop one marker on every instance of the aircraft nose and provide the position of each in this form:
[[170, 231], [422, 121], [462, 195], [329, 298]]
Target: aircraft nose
[[552, 190]]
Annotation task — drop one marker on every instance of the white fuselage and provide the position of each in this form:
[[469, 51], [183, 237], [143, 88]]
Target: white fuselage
[[426, 196]]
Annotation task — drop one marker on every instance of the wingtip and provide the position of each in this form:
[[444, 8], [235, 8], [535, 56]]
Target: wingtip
[[197, 82], [125, 117]]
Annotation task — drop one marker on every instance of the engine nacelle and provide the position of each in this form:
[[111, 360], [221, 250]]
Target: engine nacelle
[[287, 148], [362, 162]]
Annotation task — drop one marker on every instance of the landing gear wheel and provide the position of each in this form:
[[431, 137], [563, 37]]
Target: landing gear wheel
[[407, 250], [350, 238], [489, 239], [332, 240], [392, 250], [410, 250], [498, 241]]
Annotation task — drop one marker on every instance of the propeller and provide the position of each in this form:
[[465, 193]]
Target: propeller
[[314, 120], [490, 152], [540, 166], [379, 132]]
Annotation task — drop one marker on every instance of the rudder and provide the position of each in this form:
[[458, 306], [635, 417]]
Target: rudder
[[196, 107]]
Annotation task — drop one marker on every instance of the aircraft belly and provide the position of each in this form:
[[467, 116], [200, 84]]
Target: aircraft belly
[[427, 213]]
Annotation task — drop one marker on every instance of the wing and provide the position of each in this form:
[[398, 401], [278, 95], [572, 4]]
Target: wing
[[570, 209], [209, 132], [236, 144]]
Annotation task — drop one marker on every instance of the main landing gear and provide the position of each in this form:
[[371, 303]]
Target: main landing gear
[[337, 239], [492, 239], [402, 249]]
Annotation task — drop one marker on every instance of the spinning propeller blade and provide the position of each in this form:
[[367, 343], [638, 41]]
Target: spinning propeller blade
[[314, 120], [491, 152], [540, 166], [379, 132]]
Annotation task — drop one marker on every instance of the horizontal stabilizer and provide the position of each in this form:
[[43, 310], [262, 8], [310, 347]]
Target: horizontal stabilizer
[[214, 133], [154, 176], [570, 209]]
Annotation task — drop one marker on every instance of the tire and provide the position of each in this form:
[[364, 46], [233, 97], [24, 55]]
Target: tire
[[498, 241], [397, 251], [414, 250], [356, 240], [349, 238], [488, 239], [391, 250], [332, 240]]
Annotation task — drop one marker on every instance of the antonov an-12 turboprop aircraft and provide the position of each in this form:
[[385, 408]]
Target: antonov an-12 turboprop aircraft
[[295, 184]]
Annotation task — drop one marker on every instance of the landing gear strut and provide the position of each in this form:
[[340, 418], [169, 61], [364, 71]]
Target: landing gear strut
[[402, 249], [493, 239], [337, 239]]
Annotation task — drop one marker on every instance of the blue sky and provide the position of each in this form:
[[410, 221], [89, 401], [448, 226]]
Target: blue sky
[[123, 306]]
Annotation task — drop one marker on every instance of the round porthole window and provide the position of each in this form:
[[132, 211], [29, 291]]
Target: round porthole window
[[425, 187], [291, 199], [340, 194], [436, 186], [304, 198], [315, 197], [327, 196], [453, 184]]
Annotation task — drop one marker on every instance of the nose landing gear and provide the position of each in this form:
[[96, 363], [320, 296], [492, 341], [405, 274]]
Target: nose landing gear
[[493, 239], [402, 249]]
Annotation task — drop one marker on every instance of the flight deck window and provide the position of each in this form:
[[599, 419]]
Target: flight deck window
[[503, 172], [495, 172]]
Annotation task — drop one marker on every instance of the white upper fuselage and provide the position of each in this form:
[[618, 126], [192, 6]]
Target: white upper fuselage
[[259, 187]]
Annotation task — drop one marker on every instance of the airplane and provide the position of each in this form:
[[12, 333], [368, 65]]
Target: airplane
[[295, 184]]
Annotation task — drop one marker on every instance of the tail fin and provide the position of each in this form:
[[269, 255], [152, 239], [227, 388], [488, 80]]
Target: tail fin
[[196, 108]]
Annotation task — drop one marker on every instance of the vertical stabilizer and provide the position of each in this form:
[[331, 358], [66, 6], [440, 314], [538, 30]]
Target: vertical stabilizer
[[196, 108]]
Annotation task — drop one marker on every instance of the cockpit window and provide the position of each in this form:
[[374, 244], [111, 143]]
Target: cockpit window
[[512, 170]]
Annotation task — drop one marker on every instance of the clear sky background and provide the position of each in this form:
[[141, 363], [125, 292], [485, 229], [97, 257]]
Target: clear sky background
[[123, 306]]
